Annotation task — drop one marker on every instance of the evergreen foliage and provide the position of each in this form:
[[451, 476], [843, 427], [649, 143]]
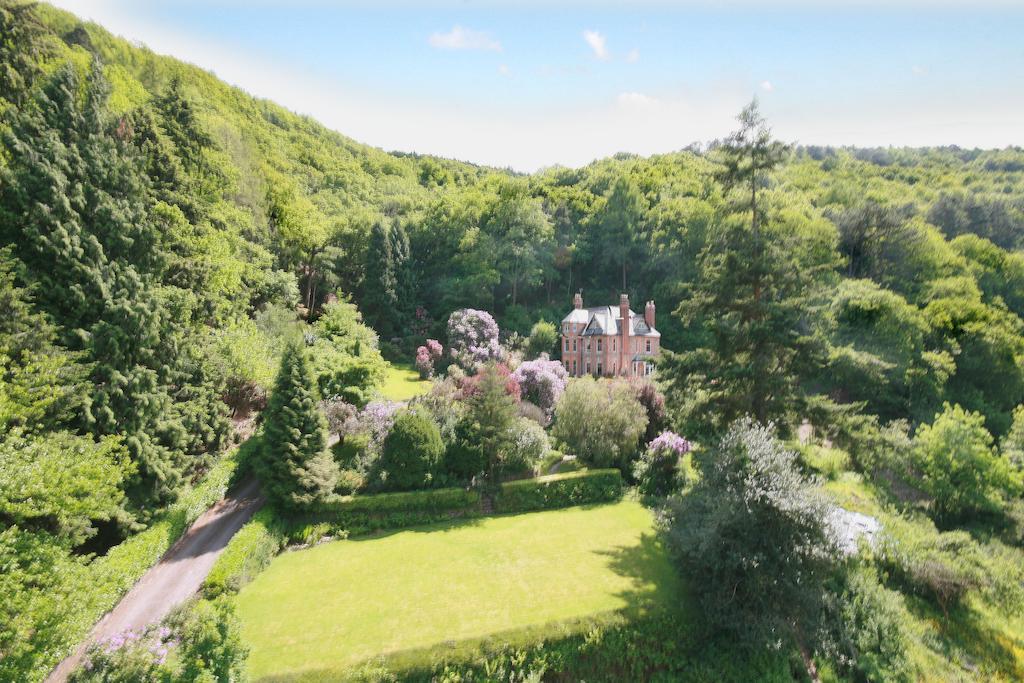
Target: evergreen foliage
[[295, 467], [411, 453], [752, 533]]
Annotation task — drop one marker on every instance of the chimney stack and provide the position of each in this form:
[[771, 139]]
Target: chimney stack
[[577, 300], [649, 314]]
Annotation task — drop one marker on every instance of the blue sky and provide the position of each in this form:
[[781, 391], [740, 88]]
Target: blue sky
[[532, 84]]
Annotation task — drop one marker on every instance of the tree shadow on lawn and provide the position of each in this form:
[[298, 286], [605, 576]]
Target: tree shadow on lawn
[[653, 587]]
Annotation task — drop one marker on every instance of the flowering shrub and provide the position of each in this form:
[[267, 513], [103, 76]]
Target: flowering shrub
[[542, 382], [426, 356], [657, 470], [471, 385], [362, 436], [472, 337], [198, 641]]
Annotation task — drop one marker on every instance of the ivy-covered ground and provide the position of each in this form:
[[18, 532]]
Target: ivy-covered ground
[[433, 591]]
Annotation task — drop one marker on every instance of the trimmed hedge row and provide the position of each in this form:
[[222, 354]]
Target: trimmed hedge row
[[365, 514], [246, 555], [106, 579], [559, 491]]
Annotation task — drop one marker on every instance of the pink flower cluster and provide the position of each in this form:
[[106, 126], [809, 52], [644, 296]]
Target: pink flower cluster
[[542, 382], [426, 356], [473, 337], [670, 441]]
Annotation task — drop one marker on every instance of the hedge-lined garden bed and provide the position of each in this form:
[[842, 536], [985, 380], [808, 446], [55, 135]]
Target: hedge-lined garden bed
[[355, 515], [559, 490]]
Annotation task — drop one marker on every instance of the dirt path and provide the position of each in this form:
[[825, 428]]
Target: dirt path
[[177, 575]]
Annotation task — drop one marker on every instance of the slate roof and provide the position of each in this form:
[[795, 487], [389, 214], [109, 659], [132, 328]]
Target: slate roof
[[605, 320]]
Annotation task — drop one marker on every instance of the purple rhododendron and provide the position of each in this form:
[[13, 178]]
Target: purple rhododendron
[[473, 337], [671, 441], [542, 382]]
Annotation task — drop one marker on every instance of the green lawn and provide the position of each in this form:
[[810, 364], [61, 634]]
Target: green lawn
[[403, 383], [325, 609]]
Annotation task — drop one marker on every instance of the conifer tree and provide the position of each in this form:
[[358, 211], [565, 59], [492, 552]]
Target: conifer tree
[[295, 467], [404, 276], [380, 287], [492, 412], [748, 301]]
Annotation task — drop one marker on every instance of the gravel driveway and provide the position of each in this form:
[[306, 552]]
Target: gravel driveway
[[178, 574]]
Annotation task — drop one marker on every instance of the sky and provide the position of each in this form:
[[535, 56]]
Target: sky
[[533, 84]]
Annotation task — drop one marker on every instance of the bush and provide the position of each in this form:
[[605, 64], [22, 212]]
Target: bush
[[543, 339], [472, 338], [752, 534], [246, 555], [657, 471], [199, 641], [365, 514], [410, 455], [654, 405], [559, 490], [960, 469], [946, 567], [600, 422], [541, 382], [527, 446], [869, 630]]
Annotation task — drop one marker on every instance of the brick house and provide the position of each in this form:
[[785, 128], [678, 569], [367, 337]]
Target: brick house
[[596, 342]]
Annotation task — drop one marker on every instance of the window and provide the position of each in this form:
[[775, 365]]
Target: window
[[574, 367], [588, 367], [598, 343], [566, 345], [598, 368], [588, 344], [648, 346], [573, 344], [614, 340]]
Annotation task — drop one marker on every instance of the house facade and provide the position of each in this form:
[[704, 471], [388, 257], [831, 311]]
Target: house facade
[[609, 341]]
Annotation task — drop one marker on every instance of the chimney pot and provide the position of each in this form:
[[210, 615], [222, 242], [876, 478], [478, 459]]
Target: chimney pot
[[577, 300]]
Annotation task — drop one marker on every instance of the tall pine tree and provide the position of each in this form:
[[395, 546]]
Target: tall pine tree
[[749, 299], [295, 467]]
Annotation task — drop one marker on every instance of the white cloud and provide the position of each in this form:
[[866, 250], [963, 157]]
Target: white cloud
[[504, 70], [767, 86], [596, 41], [461, 38], [636, 99], [633, 56], [533, 134], [918, 70]]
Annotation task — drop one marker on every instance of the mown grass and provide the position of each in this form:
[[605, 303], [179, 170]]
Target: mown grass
[[404, 596], [403, 383]]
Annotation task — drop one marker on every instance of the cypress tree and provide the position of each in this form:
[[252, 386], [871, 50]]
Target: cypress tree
[[295, 467], [380, 287], [401, 255]]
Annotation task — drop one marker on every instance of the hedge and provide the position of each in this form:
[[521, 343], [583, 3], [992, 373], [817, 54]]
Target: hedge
[[365, 514], [246, 555], [106, 579], [559, 490]]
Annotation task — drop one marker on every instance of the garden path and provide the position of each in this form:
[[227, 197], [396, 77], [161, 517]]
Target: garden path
[[178, 574]]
